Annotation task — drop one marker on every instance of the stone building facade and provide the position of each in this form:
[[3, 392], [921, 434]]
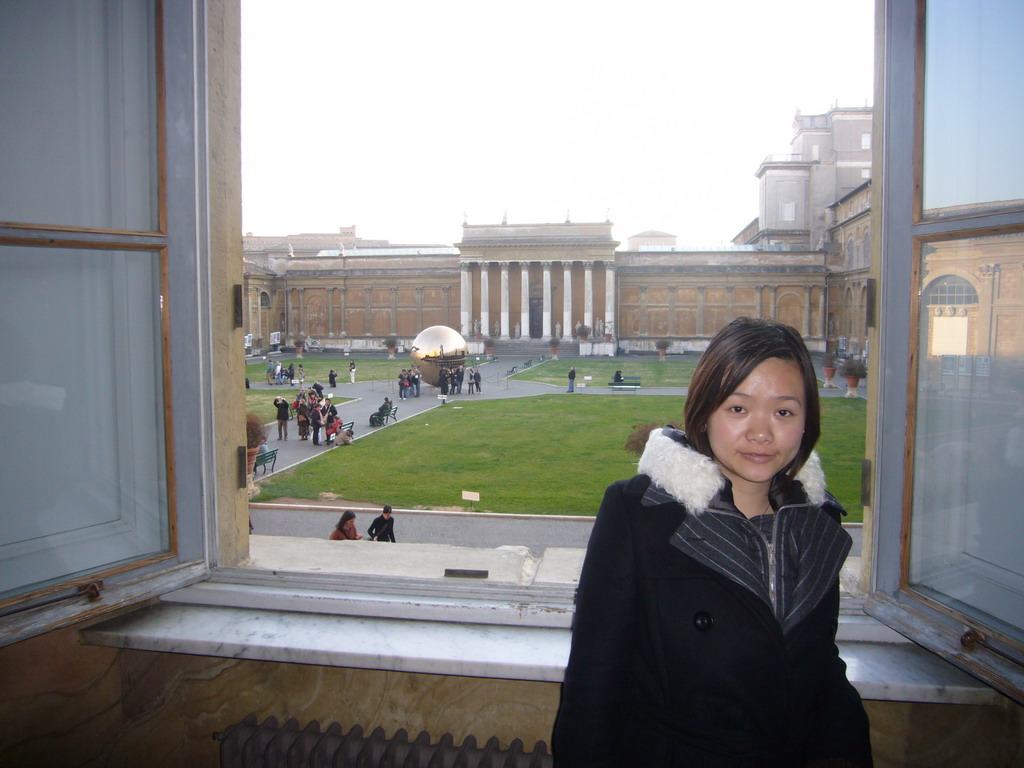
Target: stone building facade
[[803, 261]]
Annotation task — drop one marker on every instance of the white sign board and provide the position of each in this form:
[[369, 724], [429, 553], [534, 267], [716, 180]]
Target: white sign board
[[470, 496]]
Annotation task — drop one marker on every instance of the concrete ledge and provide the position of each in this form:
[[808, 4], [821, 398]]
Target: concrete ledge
[[880, 671]]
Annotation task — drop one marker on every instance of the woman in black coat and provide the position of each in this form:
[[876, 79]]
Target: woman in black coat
[[705, 624]]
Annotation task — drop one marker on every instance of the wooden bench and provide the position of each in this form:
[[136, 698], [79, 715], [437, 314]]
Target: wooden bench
[[511, 371], [379, 419], [628, 384], [348, 426], [262, 459]]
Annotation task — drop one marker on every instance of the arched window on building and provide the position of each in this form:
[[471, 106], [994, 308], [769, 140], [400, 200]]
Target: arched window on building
[[866, 248], [264, 300], [850, 253], [951, 290]]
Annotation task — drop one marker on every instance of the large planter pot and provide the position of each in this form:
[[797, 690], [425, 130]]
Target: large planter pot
[[661, 355], [830, 374], [851, 385], [489, 351], [391, 352], [250, 460], [554, 353]]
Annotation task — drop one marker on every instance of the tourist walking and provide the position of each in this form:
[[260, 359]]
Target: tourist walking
[[352, 371], [572, 379]]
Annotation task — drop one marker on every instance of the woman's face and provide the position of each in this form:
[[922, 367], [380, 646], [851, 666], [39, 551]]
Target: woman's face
[[756, 432]]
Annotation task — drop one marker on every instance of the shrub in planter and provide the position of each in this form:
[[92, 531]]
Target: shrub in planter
[[255, 430]]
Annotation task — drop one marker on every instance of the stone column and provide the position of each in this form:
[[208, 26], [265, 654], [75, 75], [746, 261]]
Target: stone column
[[546, 332], [446, 292], [567, 300], [419, 308], [394, 311], [672, 295], [759, 307], [485, 291], [643, 310], [524, 299], [466, 300], [368, 311], [287, 315], [773, 298], [249, 312], [609, 298], [302, 312], [259, 317], [330, 311], [700, 311], [730, 302], [806, 330], [822, 320], [588, 294], [504, 301], [342, 310]]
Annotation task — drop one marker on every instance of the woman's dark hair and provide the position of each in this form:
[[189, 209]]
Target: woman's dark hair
[[347, 515], [733, 354]]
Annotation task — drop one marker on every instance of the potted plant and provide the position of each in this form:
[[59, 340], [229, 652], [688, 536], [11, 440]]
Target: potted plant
[[391, 342], [584, 332], [554, 342], [662, 346], [828, 367], [255, 435], [300, 345], [853, 369], [489, 346]]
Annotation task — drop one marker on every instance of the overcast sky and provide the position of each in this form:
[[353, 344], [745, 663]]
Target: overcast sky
[[404, 117]]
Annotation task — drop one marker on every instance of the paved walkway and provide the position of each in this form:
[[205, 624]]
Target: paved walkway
[[368, 395]]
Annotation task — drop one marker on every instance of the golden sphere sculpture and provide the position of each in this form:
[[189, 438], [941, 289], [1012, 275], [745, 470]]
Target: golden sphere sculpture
[[435, 348]]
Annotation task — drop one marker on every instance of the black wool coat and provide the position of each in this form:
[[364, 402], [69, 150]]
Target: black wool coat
[[676, 661]]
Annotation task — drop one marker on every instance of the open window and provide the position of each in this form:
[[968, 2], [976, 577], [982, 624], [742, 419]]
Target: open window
[[102, 469], [948, 566]]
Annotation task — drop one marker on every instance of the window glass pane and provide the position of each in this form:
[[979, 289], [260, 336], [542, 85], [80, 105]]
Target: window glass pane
[[78, 114], [967, 525], [973, 104], [81, 397]]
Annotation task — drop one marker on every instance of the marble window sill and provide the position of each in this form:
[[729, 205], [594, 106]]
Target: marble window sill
[[880, 664]]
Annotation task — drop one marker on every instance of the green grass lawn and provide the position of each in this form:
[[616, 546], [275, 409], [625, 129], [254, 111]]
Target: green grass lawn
[[652, 373], [539, 455]]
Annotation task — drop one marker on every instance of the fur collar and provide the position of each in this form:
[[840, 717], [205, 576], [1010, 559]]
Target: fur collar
[[692, 479]]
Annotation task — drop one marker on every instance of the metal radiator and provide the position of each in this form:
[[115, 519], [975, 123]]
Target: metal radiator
[[249, 744]]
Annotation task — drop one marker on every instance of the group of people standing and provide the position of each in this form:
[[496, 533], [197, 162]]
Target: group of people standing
[[409, 383], [314, 412], [450, 381], [280, 374], [381, 529]]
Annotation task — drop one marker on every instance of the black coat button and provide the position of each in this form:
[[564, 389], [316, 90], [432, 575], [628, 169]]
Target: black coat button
[[703, 621]]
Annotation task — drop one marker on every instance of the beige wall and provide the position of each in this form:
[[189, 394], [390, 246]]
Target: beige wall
[[66, 704]]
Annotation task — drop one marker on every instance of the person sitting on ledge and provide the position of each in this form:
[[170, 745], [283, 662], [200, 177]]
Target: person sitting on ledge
[[618, 377]]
